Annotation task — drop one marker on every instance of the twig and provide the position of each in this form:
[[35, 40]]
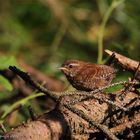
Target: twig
[[110, 60], [99, 99], [2, 127], [118, 110], [126, 63], [31, 112], [54, 95], [103, 128], [130, 84], [28, 79], [92, 93], [130, 123], [58, 95], [136, 72]]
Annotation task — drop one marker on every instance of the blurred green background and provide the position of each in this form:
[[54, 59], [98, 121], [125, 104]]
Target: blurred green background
[[45, 33]]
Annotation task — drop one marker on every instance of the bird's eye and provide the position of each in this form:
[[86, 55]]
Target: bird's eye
[[70, 66]]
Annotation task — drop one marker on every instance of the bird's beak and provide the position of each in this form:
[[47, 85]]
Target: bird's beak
[[63, 69]]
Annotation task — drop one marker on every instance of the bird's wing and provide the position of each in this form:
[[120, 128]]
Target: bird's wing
[[104, 71]]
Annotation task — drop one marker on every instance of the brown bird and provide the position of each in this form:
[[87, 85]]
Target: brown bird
[[87, 76]]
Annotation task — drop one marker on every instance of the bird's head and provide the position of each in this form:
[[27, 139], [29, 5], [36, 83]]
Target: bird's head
[[71, 67]]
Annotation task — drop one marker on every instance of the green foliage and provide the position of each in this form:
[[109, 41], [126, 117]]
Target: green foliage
[[32, 27], [5, 62], [5, 83], [14, 35], [20, 103]]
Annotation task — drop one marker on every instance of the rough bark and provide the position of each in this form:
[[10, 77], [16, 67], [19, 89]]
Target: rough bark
[[90, 119]]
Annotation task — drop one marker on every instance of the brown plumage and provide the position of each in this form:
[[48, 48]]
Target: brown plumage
[[87, 76]]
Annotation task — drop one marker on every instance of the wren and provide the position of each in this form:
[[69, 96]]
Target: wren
[[87, 76]]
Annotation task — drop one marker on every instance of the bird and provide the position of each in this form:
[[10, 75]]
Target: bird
[[87, 76]]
